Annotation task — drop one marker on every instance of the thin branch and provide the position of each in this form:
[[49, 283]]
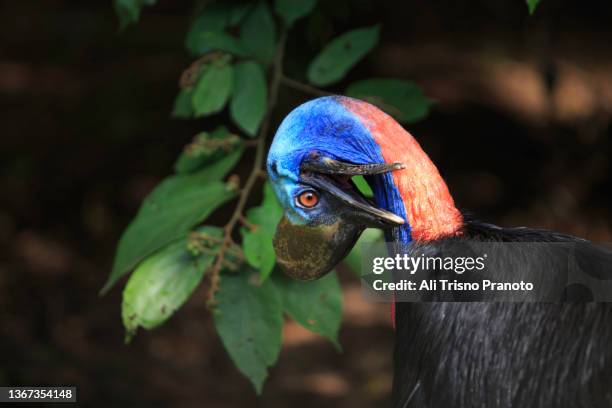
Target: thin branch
[[300, 86], [277, 72], [250, 143], [248, 224]]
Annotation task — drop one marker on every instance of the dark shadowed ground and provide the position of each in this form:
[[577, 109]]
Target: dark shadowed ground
[[521, 131]]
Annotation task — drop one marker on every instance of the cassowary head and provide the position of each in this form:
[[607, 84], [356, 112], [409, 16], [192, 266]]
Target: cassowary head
[[318, 147]]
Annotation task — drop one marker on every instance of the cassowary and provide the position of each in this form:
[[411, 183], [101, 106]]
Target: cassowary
[[447, 354]]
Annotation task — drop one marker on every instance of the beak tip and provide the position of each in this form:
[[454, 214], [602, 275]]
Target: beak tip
[[399, 220]]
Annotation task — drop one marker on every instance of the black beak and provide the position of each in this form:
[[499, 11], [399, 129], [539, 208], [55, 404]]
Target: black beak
[[308, 252]]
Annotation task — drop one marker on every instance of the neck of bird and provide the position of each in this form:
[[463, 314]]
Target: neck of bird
[[417, 192], [429, 207]]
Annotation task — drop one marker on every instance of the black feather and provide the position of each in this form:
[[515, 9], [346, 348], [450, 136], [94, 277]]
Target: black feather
[[486, 354]]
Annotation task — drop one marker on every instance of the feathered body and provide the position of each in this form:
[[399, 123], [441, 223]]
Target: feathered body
[[502, 354]]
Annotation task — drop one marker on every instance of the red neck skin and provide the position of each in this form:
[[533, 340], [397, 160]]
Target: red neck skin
[[429, 206]]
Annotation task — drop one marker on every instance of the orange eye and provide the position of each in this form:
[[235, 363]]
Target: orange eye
[[308, 199]]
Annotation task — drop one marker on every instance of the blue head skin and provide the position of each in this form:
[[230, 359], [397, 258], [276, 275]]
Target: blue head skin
[[326, 127]]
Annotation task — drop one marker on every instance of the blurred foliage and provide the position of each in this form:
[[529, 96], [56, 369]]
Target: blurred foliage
[[340, 55], [128, 11], [239, 50], [402, 99], [532, 4]]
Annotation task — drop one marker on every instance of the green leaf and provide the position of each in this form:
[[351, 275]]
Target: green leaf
[[161, 284], [532, 4], [213, 88], [259, 252], [207, 41], [258, 32], [169, 211], [315, 305], [269, 213], [249, 99], [354, 259], [363, 186], [292, 10], [213, 18], [341, 54], [128, 11], [257, 244], [207, 148], [237, 13], [249, 320], [182, 105], [404, 100]]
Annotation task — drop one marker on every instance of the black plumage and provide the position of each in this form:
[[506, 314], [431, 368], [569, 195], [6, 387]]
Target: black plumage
[[491, 354]]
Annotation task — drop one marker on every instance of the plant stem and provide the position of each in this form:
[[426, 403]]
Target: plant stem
[[237, 215], [300, 86]]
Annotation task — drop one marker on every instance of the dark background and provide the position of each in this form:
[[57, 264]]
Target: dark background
[[521, 132]]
